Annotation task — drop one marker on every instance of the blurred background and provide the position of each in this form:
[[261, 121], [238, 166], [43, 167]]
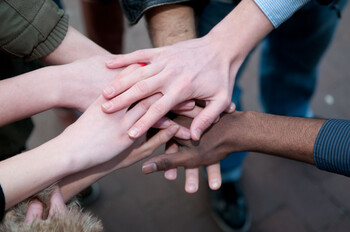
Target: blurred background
[[283, 195]]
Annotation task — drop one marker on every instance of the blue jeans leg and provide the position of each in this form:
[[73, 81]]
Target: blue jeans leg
[[213, 13], [290, 59]]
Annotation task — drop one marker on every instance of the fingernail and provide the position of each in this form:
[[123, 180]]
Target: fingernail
[[133, 132], [173, 129], [166, 123], [197, 134], [232, 107], [217, 119], [214, 184], [189, 104], [170, 175], [107, 105], [149, 168], [142, 64], [109, 91], [191, 187], [186, 134]]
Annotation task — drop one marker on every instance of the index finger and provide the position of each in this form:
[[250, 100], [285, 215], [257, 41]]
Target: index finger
[[154, 113], [140, 56]]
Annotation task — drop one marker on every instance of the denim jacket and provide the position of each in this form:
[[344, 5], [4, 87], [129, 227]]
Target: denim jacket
[[134, 9]]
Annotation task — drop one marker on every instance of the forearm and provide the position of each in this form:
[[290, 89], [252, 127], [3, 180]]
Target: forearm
[[73, 184], [73, 47], [22, 96], [23, 175], [240, 31], [170, 24], [288, 137]]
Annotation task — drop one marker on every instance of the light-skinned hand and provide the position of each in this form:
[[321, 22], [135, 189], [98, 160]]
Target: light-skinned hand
[[193, 69]]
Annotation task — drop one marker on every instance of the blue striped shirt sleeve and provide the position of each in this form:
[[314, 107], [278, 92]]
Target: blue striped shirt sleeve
[[278, 11], [332, 147]]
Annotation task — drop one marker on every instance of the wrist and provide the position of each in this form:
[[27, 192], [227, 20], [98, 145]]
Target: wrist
[[170, 24], [73, 47], [241, 30], [240, 135], [50, 159], [65, 86], [51, 86], [66, 153]]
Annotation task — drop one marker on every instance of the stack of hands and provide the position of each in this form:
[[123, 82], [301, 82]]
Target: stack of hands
[[103, 140]]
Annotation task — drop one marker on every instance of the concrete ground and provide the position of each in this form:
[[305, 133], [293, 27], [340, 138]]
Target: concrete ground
[[283, 195]]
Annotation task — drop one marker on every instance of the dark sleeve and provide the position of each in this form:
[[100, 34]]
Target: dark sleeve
[[134, 9], [2, 204], [324, 2], [332, 147], [31, 29]]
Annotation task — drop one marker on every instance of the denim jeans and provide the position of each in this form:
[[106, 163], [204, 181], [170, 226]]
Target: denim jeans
[[289, 63]]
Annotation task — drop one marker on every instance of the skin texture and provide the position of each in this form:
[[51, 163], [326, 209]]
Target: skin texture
[[73, 47], [73, 184], [185, 70], [168, 25], [288, 137], [58, 84], [70, 152]]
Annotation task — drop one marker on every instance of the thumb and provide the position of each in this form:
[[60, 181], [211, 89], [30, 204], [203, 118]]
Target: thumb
[[35, 211], [57, 204], [205, 118]]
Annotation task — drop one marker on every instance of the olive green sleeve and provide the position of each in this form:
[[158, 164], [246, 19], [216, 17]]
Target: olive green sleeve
[[31, 29]]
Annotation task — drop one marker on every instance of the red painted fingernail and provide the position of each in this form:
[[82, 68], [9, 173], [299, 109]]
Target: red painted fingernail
[[142, 64]]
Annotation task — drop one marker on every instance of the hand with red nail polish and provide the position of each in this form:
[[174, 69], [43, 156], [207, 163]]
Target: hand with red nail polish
[[179, 77], [202, 69]]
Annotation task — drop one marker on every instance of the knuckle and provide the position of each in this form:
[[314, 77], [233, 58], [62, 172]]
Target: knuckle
[[185, 86], [141, 87], [191, 163], [164, 164], [225, 97], [144, 105], [162, 51], [163, 138], [158, 108], [140, 53]]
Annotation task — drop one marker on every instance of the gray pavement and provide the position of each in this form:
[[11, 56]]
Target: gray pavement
[[283, 195]]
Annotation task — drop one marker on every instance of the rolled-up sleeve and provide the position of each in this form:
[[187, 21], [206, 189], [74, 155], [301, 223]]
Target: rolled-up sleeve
[[332, 147], [134, 9], [31, 29], [278, 11]]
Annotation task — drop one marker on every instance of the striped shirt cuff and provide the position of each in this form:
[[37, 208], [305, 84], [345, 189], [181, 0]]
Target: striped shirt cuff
[[278, 11], [332, 147]]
